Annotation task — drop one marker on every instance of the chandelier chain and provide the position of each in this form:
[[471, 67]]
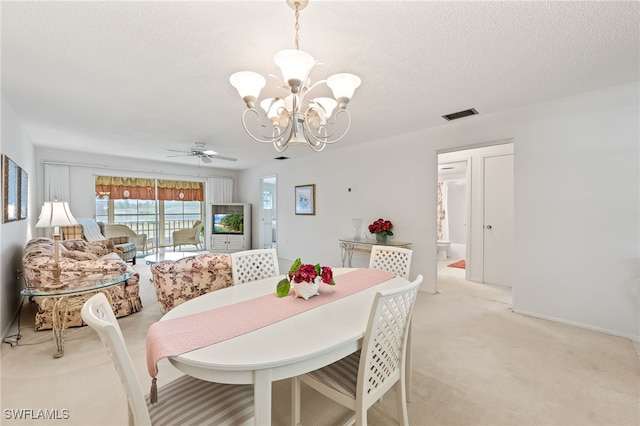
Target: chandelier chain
[[297, 25]]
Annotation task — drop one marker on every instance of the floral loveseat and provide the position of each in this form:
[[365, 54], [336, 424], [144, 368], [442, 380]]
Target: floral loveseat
[[182, 280], [77, 258]]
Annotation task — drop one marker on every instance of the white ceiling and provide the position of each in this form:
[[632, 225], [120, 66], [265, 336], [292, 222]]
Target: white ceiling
[[139, 78]]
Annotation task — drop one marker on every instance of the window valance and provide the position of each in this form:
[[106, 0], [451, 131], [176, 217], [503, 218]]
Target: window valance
[[123, 188]]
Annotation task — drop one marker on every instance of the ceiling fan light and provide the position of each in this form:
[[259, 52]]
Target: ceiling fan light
[[295, 66], [249, 84], [343, 85], [209, 152]]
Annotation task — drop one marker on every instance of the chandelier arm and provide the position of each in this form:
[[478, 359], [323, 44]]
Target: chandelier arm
[[326, 139], [317, 83], [313, 142], [264, 139]]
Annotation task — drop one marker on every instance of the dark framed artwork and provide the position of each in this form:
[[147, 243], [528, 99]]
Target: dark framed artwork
[[10, 187], [306, 199]]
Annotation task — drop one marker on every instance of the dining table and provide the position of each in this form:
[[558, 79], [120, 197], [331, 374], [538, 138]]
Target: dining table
[[294, 345]]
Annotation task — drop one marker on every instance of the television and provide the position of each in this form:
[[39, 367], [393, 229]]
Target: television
[[228, 223]]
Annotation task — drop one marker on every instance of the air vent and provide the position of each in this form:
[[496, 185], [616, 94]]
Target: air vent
[[460, 114], [281, 158]]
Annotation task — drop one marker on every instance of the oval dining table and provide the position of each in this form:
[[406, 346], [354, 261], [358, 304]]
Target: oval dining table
[[290, 347]]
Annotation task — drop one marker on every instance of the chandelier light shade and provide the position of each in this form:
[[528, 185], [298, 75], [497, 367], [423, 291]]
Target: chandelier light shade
[[295, 117]]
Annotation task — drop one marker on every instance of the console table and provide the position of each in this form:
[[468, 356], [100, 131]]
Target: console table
[[349, 245], [58, 297]]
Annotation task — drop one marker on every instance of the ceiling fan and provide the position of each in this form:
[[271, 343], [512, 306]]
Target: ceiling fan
[[200, 150]]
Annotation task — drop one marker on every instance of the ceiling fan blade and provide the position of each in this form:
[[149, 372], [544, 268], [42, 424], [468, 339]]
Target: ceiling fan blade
[[222, 157], [179, 155], [205, 159], [177, 150]]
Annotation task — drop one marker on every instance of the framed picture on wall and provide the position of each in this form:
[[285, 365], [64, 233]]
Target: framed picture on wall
[[306, 199], [10, 189], [24, 195]]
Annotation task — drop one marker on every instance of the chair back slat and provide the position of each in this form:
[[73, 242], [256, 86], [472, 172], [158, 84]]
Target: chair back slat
[[396, 260], [385, 342], [98, 315], [253, 265]]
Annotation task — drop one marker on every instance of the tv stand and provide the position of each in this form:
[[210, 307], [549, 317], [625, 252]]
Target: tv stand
[[231, 242]]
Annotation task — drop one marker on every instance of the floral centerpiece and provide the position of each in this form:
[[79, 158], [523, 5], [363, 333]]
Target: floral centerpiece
[[306, 279], [381, 228]]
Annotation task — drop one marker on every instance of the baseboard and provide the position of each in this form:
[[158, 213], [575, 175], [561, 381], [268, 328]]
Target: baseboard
[[633, 338]]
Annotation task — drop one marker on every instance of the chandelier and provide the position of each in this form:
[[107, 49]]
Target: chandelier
[[295, 117]]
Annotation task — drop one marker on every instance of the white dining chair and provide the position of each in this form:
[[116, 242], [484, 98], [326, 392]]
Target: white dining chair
[[253, 265], [396, 260], [183, 401], [362, 378]]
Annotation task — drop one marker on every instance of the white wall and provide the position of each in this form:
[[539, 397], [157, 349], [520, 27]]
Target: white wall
[[17, 145], [571, 156]]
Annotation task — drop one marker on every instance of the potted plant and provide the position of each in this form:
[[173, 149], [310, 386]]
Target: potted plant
[[306, 279], [381, 228]]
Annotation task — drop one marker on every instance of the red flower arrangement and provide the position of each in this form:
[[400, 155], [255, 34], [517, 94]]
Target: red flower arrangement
[[307, 273], [382, 227]]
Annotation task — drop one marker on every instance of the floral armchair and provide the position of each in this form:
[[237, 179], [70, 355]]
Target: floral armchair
[[77, 258], [182, 280]]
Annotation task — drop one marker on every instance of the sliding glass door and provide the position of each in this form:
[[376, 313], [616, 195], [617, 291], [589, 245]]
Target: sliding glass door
[[153, 207]]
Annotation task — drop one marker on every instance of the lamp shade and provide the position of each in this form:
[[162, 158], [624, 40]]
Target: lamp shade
[[55, 213], [248, 83], [327, 104], [295, 65], [273, 107], [343, 85]]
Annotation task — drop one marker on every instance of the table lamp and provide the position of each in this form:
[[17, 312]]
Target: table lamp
[[55, 214]]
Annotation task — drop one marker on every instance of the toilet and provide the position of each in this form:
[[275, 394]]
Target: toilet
[[443, 250]]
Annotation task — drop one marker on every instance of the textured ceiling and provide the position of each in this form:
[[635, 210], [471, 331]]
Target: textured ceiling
[[140, 78]]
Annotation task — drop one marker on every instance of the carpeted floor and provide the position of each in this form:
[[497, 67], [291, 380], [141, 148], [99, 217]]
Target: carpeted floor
[[475, 363]]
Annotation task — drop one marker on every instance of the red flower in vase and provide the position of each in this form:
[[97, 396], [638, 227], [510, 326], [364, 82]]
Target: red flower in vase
[[382, 227]]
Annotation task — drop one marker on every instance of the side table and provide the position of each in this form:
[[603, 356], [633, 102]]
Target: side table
[[58, 299], [349, 245]]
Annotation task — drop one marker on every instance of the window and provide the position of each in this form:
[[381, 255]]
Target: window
[[156, 218]]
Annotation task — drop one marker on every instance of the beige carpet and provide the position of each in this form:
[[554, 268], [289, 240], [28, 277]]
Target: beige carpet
[[475, 363]]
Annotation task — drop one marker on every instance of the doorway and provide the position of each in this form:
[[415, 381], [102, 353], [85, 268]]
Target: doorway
[[268, 212], [478, 220]]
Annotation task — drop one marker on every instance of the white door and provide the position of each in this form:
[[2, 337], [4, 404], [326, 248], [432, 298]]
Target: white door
[[498, 220]]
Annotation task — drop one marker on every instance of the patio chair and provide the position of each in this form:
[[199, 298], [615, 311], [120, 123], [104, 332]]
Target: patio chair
[[186, 400], [253, 265], [143, 244], [362, 378], [188, 236]]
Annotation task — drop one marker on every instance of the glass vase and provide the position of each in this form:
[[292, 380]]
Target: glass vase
[[357, 226]]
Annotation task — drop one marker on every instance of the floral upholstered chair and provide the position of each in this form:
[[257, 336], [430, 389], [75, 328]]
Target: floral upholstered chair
[[182, 280]]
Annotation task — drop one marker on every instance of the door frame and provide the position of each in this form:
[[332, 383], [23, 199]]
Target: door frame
[[474, 270], [274, 208]]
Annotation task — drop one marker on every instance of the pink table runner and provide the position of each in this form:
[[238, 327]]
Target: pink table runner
[[180, 335]]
